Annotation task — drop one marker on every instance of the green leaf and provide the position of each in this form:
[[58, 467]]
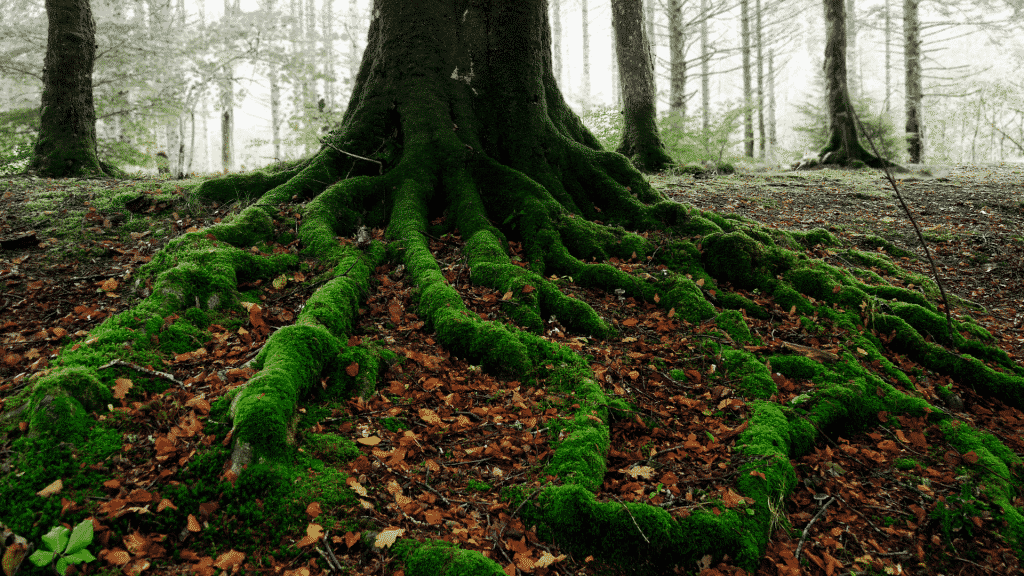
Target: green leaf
[[80, 556], [57, 538], [41, 557], [62, 566], [81, 537]]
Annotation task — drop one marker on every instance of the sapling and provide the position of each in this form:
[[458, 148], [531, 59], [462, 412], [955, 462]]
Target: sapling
[[65, 547]]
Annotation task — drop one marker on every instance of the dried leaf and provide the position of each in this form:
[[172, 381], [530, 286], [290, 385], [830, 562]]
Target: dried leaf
[[352, 369], [313, 510], [109, 285], [193, 524], [369, 441], [351, 538], [229, 560], [387, 537], [56, 486]]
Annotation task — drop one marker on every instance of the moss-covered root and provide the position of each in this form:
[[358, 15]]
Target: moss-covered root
[[440, 558], [294, 358], [458, 329]]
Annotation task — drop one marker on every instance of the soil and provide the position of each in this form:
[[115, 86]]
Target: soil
[[885, 501]]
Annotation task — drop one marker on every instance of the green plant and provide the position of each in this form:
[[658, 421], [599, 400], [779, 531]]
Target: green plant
[[66, 547], [688, 141], [605, 122]]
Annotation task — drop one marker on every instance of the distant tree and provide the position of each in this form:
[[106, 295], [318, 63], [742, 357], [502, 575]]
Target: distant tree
[[640, 140], [915, 93], [748, 103], [843, 147], [66, 145]]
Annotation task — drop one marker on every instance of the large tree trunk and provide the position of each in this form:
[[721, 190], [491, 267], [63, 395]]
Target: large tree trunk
[[67, 128], [705, 67], [640, 140], [912, 56], [843, 146]]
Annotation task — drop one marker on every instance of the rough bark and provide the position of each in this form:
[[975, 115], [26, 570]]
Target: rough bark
[[759, 43], [748, 101], [556, 37], [66, 145], [851, 47], [912, 58], [640, 140], [585, 89], [843, 146]]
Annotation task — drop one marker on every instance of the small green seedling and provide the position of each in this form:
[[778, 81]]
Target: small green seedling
[[67, 547]]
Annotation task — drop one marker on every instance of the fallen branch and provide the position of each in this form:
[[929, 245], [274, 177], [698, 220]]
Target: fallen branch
[[144, 370], [807, 528], [917, 229], [638, 529]]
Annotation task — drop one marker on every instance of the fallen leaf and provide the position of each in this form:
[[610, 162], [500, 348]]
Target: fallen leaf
[[352, 369], [313, 510], [229, 560], [369, 441], [56, 486], [387, 537]]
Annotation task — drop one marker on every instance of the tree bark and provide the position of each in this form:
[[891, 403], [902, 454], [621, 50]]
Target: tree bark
[[585, 89], [843, 146], [912, 57], [748, 101], [556, 37], [66, 145], [705, 67], [677, 59], [640, 140], [851, 47], [759, 44]]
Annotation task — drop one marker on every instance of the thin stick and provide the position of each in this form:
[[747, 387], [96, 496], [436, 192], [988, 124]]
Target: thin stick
[[136, 367], [917, 229], [638, 529], [807, 528], [358, 156]]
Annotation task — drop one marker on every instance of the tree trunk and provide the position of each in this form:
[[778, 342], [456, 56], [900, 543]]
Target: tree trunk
[[705, 67], [556, 38], [457, 118], [851, 47], [912, 57], [759, 43], [843, 146], [275, 112], [585, 89], [67, 128], [888, 54], [328, 22], [640, 140], [677, 59], [748, 101], [773, 139]]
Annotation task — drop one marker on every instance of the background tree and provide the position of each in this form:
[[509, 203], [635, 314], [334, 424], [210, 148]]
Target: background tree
[[640, 140], [914, 92], [66, 145], [843, 146]]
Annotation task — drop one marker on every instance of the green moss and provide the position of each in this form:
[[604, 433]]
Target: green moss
[[734, 301], [755, 381], [795, 366], [440, 558], [732, 323], [733, 257], [814, 237], [331, 448]]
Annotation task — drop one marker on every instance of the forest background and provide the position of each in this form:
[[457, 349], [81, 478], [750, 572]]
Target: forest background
[[168, 70]]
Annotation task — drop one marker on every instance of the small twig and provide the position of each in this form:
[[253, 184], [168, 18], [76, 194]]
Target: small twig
[[377, 162], [411, 481], [803, 537], [917, 229], [136, 367], [334, 559], [638, 529]]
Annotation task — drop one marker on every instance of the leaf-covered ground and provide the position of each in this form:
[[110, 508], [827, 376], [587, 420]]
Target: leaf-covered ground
[[443, 448]]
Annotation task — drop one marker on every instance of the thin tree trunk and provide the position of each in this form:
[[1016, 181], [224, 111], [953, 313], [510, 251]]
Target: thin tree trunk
[[852, 68], [888, 54], [192, 141], [227, 105], [759, 42], [773, 139], [912, 57], [705, 67], [585, 89], [328, 23], [677, 62], [748, 104], [179, 168], [640, 140]]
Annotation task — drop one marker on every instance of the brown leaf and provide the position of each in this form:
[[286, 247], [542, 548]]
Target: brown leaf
[[109, 285], [527, 289], [970, 457], [352, 369], [193, 524], [313, 510], [351, 538], [369, 441], [56, 486], [387, 537], [229, 560]]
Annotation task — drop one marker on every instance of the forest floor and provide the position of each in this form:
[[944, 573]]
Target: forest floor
[[442, 443]]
